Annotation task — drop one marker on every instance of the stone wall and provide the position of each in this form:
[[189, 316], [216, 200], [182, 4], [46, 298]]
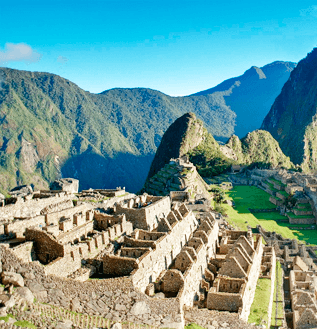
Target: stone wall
[[152, 263], [54, 217], [147, 217], [18, 227], [272, 278], [115, 299], [46, 247], [30, 208], [24, 251], [65, 265], [76, 233], [252, 279], [196, 270]]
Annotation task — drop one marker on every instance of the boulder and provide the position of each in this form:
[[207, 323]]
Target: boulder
[[21, 191], [3, 312], [38, 291], [7, 300], [116, 325], [65, 184], [12, 278], [24, 293], [140, 308]]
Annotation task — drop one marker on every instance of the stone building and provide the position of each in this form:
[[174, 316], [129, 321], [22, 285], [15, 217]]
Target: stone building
[[145, 211], [303, 288], [152, 256], [234, 287]]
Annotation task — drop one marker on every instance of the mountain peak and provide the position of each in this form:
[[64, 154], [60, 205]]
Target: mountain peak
[[292, 118], [254, 72], [183, 134]]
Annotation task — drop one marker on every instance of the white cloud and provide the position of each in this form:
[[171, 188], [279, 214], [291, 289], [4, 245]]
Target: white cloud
[[310, 11], [18, 52], [62, 59]]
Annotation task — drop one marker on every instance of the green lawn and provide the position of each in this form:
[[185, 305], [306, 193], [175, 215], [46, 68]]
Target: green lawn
[[277, 181], [272, 188], [303, 206], [193, 326], [246, 197], [25, 324], [284, 193], [260, 305], [278, 306], [290, 214]]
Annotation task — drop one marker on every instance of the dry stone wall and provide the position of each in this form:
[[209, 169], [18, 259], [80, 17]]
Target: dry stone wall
[[116, 299]]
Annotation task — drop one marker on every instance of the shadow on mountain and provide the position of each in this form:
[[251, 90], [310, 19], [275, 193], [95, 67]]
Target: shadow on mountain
[[96, 171]]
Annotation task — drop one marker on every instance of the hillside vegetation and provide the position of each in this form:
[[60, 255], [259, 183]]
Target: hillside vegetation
[[252, 94], [292, 118], [259, 149], [187, 136], [50, 127]]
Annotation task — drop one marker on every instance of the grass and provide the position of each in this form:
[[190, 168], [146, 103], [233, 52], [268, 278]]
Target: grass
[[284, 193], [25, 324], [193, 326], [272, 188], [259, 307], [246, 197], [277, 181], [7, 317], [290, 214], [279, 312]]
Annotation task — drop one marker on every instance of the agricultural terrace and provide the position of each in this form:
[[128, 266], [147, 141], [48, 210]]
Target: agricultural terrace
[[251, 197]]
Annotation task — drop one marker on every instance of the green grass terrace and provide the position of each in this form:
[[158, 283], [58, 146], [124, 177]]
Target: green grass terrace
[[259, 309], [277, 182], [251, 197]]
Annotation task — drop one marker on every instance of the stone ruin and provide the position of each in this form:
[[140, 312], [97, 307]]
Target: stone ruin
[[141, 259], [293, 193], [179, 175], [303, 291]]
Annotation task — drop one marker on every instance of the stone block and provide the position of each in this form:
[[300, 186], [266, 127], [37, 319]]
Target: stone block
[[65, 184], [12, 278]]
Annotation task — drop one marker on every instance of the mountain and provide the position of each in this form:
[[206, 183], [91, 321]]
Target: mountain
[[50, 127], [258, 148], [292, 120], [252, 94], [187, 136]]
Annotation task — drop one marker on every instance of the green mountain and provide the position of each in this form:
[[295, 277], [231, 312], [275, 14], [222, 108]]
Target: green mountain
[[292, 120], [259, 149], [51, 127], [252, 94], [187, 136]]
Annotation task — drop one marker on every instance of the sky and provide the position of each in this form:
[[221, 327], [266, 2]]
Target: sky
[[176, 47]]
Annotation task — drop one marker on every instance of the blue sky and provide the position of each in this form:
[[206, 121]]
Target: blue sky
[[177, 47]]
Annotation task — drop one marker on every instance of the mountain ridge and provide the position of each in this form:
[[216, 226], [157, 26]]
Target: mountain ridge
[[252, 94], [292, 117], [104, 140]]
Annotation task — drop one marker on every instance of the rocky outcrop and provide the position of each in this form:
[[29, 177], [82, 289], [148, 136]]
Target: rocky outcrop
[[12, 278], [178, 175], [182, 136]]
